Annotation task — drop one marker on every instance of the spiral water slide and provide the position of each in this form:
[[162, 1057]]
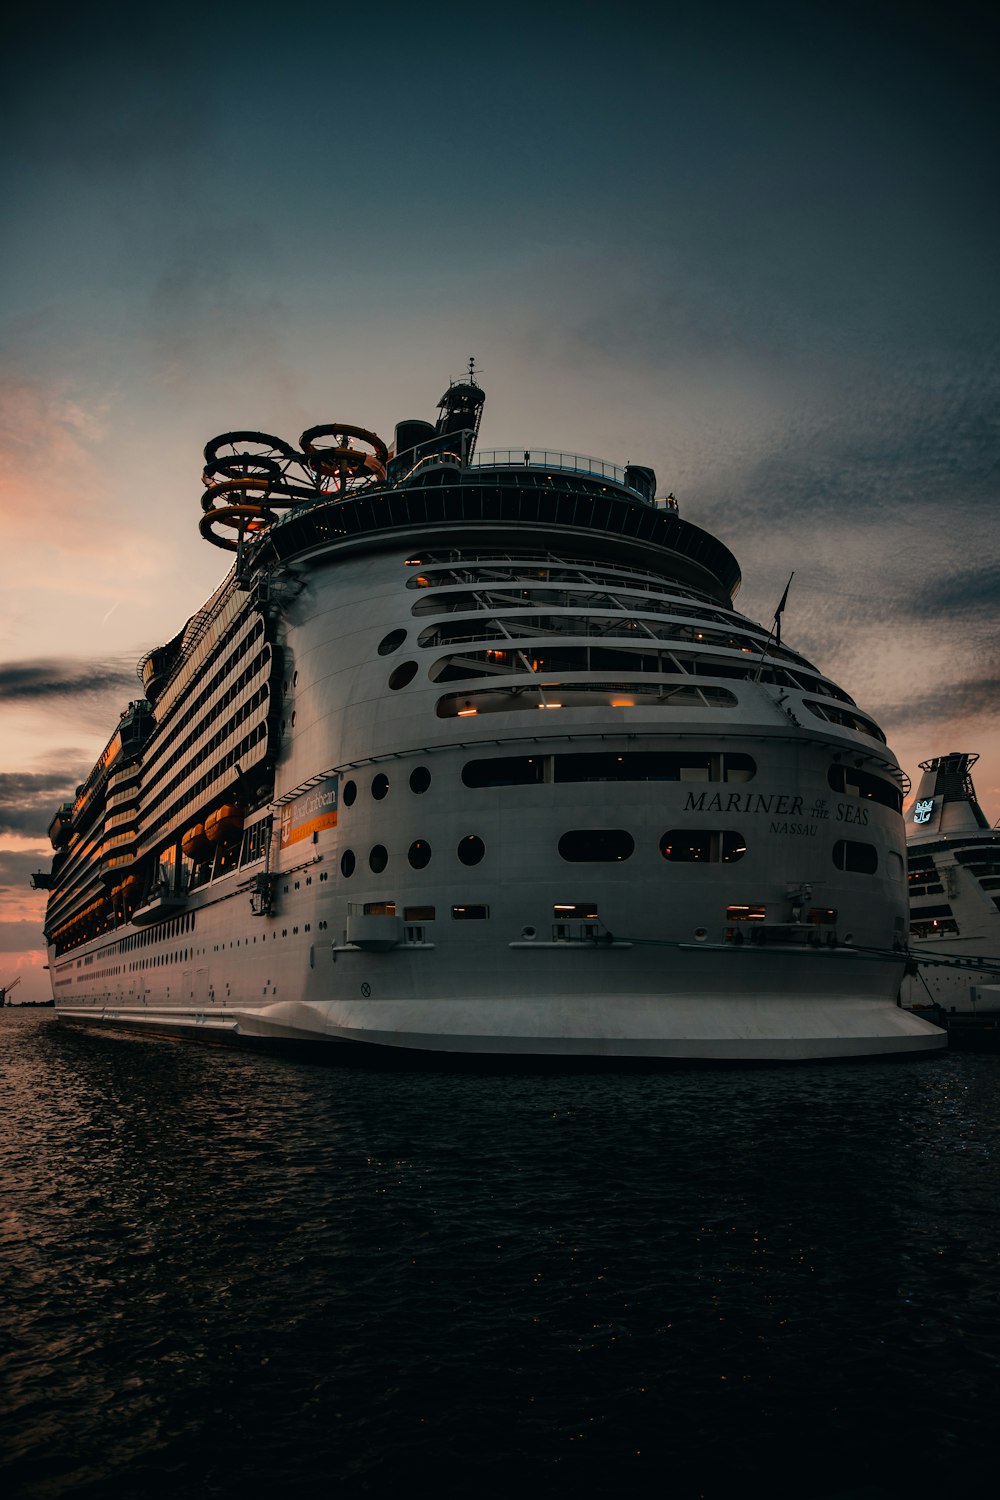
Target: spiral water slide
[[250, 477]]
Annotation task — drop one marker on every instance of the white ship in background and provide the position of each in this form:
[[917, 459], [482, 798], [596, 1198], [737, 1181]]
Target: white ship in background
[[471, 754], [953, 859]]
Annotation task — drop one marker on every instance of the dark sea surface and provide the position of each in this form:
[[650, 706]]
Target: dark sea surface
[[225, 1273]]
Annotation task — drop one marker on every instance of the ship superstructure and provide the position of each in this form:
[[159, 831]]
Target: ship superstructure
[[472, 753], [953, 869]]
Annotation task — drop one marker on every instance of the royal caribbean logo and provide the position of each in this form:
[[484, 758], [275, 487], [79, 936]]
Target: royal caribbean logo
[[922, 811]]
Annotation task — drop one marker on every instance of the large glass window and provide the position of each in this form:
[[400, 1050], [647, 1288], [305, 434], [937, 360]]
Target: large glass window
[[610, 765], [504, 770], [596, 845], [702, 846], [530, 694], [857, 783], [853, 856], [833, 714]]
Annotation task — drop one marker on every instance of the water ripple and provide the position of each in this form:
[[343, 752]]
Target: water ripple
[[225, 1271]]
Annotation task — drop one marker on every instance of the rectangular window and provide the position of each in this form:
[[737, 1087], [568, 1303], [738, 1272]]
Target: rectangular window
[[936, 927], [582, 911], [470, 913], [379, 908], [418, 913]]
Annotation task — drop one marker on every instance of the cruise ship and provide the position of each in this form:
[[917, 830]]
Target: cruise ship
[[471, 754], [953, 859]]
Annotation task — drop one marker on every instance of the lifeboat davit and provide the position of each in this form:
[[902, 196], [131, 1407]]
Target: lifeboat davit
[[224, 824], [195, 845]]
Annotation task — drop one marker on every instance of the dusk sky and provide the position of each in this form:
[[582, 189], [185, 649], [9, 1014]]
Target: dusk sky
[[753, 246]]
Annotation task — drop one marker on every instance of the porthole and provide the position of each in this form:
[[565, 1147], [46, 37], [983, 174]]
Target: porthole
[[419, 853], [471, 849], [596, 845], [420, 779], [401, 675], [380, 786], [391, 642], [528, 934], [347, 863], [378, 858], [348, 793]]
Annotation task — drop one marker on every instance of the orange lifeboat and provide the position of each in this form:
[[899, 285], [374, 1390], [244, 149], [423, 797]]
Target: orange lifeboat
[[195, 845], [224, 824]]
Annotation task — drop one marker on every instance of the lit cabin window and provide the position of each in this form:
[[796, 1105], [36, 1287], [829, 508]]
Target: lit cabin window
[[470, 913], [702, 846], [932, 921]]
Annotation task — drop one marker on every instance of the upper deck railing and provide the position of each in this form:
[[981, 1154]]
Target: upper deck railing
[[546, 458]]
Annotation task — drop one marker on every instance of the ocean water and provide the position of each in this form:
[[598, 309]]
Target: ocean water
[[226, 1273]]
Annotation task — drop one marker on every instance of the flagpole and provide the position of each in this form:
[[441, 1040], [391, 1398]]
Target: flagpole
[[775, 629]]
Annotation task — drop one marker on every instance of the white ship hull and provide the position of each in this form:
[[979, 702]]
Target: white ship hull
[[535, 790], [954, 875]]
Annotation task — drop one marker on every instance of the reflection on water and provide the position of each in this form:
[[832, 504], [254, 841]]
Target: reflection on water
[[226, 1271]]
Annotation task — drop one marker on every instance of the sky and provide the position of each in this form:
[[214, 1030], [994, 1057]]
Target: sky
[[751, 245]]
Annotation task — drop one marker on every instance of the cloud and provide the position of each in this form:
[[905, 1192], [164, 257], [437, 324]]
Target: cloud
[[18, 902], [971, 590], [20, 937], [50, 679], [16, 870], [973, 698], [28, 800], [49, 463]]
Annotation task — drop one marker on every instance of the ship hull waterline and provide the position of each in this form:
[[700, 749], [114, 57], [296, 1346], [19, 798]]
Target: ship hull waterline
[[692, 1026]]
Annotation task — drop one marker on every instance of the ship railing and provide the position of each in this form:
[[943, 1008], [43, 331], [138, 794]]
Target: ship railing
[[546, 458]]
